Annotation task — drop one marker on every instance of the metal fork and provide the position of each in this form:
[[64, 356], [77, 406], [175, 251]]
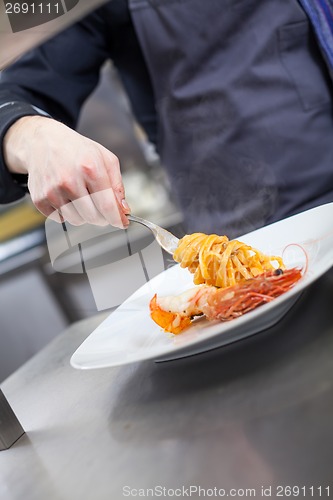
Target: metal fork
[[168, 241]]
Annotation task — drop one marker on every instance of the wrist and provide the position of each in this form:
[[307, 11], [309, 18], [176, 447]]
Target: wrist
[[17, 142]]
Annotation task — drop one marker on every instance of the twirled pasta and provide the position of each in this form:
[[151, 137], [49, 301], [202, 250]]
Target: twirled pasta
[[216, 260]]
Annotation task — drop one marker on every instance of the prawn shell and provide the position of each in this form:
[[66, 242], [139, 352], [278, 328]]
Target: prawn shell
[[235, 301], [169, 321]]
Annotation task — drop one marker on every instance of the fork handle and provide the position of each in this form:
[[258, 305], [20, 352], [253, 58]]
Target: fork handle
[[134, 218]]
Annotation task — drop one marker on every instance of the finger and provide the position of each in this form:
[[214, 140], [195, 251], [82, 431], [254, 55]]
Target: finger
[[66, 212], [71, 190], [56, 200], [70, 214], [106, 203], [88, 210], [127, 209], [45, 208], [56, 216], [112, 167], [98, 184]]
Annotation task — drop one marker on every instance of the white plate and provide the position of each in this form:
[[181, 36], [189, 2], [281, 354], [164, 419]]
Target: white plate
[[129, 335]]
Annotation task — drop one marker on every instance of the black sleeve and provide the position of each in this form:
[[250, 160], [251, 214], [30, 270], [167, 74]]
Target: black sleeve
[[56, 78]]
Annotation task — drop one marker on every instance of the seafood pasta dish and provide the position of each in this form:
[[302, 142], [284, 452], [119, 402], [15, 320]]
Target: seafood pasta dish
[[231, 279]]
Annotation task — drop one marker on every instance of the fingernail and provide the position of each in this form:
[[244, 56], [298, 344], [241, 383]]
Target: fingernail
[[125, 205]]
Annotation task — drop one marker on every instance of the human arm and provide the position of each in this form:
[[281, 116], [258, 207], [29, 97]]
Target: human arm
[[56, 78], [67, 173]]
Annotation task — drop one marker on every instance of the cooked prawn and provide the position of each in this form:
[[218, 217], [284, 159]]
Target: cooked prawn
[[175, 313]]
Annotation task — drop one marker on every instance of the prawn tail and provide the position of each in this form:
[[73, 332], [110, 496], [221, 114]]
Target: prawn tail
[[172, 322]]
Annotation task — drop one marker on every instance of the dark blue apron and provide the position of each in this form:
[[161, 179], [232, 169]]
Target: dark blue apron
[[244, 107]]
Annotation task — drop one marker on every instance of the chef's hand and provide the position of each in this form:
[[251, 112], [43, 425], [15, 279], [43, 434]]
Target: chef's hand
[[68, 173]]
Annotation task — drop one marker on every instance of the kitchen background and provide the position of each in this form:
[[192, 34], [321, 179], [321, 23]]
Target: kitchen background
[[37, 302]]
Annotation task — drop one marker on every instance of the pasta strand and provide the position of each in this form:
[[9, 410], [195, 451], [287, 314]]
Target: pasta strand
[[216, 260]]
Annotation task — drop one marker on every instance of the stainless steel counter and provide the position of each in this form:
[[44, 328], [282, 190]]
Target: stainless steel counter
[[244, 419]]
